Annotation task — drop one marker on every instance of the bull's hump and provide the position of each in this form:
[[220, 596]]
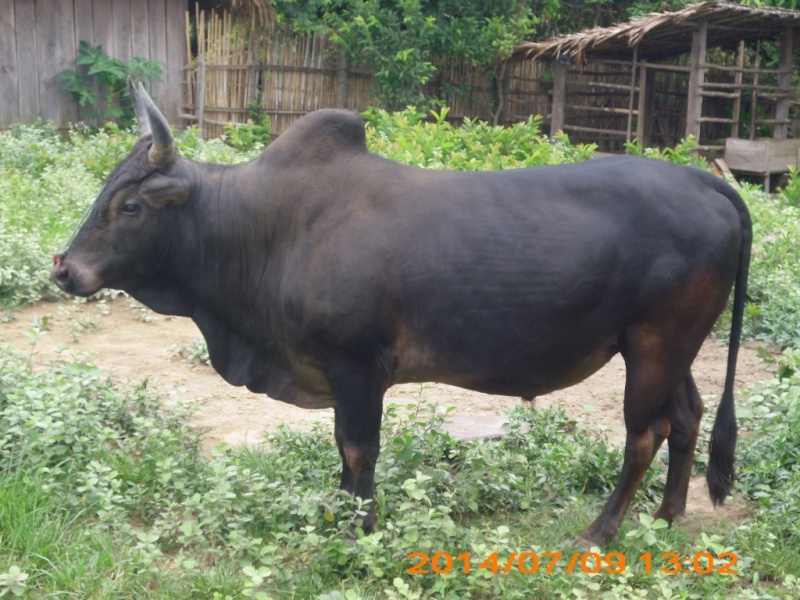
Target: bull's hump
[[322, 134]]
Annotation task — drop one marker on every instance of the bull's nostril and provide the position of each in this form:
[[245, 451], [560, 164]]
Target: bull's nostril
[[59, 270], [57, 263]]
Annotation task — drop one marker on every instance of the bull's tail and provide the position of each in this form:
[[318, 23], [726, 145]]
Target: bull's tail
[[723, 437]]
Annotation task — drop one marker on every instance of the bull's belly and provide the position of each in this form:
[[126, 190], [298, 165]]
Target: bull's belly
[[522, 378]]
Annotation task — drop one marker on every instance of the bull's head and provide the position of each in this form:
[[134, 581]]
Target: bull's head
[[125, 239]]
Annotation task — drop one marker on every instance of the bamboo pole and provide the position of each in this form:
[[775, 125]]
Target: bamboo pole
[[754, 93], [781, 130], [201, 96], [189, 72], [633, 88]]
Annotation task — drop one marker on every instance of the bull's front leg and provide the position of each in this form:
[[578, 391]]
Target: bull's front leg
[[358, 393]]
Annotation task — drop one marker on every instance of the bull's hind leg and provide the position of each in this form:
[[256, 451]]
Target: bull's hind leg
[[655, 367], [685, 412], [661, 399]]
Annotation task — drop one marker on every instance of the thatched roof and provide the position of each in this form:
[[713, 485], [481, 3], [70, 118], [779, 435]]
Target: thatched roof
[[662, 35]]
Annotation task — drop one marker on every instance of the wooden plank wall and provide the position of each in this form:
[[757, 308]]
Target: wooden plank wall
[[39, 38]]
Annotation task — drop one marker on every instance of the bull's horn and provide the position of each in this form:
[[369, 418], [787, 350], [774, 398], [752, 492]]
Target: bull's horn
[[163, 147], [138, 107]]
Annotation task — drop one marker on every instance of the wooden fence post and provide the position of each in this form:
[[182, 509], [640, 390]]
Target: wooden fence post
[[646, 106], [200, 93], [697, 76], [737, 101], [784, 86], [559, 97], [634, 67], [506, 87], [754, 92], [341, 79]]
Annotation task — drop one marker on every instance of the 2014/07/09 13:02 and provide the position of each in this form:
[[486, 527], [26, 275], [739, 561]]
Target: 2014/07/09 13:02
[[528, 563]]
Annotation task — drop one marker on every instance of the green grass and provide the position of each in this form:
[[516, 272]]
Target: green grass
[[51, 540], [104, 492]]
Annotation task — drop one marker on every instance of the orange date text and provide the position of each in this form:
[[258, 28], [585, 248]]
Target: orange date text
[[528, 563]]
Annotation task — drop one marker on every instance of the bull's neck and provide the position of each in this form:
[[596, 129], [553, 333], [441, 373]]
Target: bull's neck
[[228, 199], [226, 230]]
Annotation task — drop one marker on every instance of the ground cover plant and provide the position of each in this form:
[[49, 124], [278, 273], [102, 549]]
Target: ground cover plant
[[104, 492]]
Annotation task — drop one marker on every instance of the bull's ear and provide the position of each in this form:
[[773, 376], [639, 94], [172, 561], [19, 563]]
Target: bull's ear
[[163, 148], [138, 107], [161, 190]]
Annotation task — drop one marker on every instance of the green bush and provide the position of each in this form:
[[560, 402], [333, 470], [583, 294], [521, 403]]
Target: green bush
[[30, 148], [407, 136], [773, 309], [685, 153], [100, 82], [253, 135], [769, 472], [791, 191], [23, 280]]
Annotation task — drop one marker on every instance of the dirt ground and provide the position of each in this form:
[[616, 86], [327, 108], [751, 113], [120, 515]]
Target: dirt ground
[[132, 343]]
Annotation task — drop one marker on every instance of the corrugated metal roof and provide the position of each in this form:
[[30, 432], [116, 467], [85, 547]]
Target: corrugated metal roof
[[663, 35]]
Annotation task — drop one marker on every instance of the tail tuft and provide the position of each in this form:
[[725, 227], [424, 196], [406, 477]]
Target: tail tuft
[[722, 448]]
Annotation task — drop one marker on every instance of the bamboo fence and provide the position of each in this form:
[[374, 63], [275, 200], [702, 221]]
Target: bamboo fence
[[227, 71], [240, 67]]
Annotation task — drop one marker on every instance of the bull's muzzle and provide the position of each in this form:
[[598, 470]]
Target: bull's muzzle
[[59, 272], [74, 276]]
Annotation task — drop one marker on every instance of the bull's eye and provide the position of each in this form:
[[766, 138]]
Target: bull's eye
[[130, 208]]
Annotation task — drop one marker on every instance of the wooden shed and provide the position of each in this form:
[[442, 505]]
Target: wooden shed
[[664, 76], [39, 38]]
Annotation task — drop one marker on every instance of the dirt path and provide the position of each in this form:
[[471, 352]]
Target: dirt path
[[133, 343]]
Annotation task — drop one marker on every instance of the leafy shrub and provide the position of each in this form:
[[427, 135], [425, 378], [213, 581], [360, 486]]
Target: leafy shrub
[[475, 146], [685, 153], [30, 148], [98, 152], [22, 278], [773, 309], [253, 135], [769, 471], [791, 192], [103, 84], [248, 136], [191, 144]]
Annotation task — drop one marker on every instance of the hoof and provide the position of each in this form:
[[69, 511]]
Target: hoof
[[669, 518]]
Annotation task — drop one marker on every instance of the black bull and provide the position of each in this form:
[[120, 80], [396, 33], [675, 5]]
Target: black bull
[[322, 274]]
